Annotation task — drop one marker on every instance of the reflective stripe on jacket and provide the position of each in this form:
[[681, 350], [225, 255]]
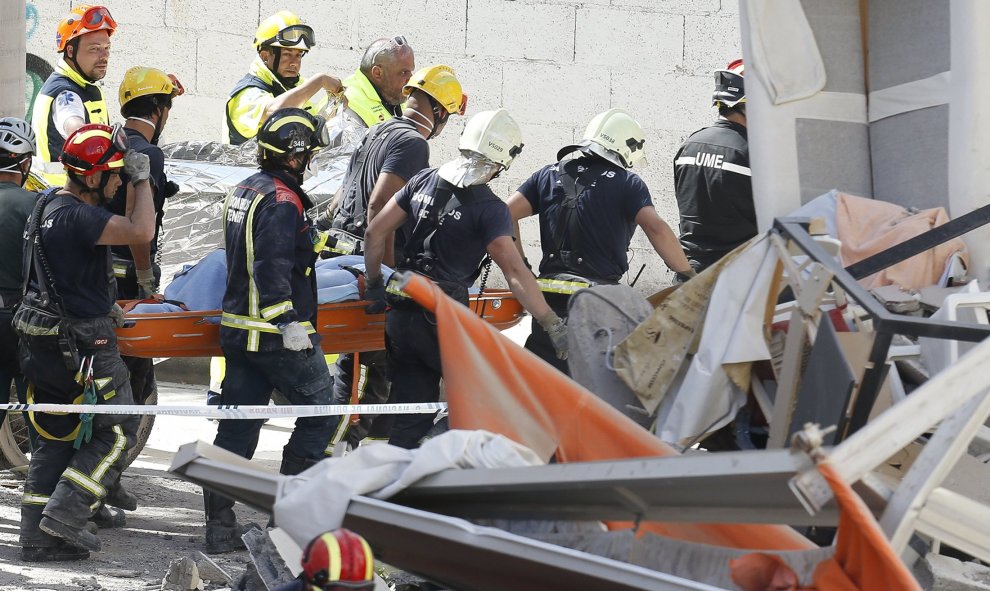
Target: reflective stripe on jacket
[[50, 141], [244, 110], [364, 100]]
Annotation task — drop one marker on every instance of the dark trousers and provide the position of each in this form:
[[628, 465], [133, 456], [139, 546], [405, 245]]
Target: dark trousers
[[414, 367], [10, 370], [373, 388], [539, 341], [301, 377]]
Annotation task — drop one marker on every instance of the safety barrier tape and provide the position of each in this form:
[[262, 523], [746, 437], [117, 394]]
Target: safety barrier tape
[[234, 411]]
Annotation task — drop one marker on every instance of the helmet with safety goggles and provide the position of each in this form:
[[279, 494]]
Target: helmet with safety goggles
[[337, 560], [729, 88], [94, 147], [81, 20], [615, 136], [292, 131], [284, 29], [493, 134], [441, 84], [143, 81]]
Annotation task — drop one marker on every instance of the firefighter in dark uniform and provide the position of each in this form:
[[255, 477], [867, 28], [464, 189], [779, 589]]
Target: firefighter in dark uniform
[[390, 154], [589, 207], [449, 220], [712, 178], [268, 330], [71, 96], [75, 360]]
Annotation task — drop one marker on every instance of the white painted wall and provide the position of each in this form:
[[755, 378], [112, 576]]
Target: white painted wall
[[553, 63]]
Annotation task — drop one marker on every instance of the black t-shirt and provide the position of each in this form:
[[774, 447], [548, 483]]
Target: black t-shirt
[[16, 205], [464, 234], [606, 212], [118, 205], [399, 149], [81, 269]]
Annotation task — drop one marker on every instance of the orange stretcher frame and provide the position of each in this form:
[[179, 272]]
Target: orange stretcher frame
[[344, 326]]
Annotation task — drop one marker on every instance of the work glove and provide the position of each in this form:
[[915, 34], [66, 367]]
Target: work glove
[[557, 331], [684, 276], [137, 166], [374, 292], [295, 337], [146, 282], [117, 315], [170, 189]]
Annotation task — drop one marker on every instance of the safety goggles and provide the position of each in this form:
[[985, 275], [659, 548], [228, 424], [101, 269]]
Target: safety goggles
[[118, 145], [97, 17], [293, 35]]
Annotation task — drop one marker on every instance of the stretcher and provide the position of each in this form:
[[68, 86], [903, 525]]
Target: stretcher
[[344, 326]]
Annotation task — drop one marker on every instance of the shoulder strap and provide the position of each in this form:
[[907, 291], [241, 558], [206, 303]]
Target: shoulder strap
[[352, 182], [426, 224], [567, 234], [35, 261]]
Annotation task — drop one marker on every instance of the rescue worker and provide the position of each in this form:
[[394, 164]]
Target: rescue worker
[[267, 331], [449, 219], [390, 154], [71, 96], [17, 146], [145, 101], [712, 179], [337, 560], [68, 350], [589, 207], [375, 90], [273, 81]]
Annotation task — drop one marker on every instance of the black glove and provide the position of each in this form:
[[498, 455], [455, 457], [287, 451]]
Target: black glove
[[374, 292], [170, 189]]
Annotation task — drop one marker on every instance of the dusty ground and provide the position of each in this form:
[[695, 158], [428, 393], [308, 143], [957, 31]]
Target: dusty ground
[[167, 525]]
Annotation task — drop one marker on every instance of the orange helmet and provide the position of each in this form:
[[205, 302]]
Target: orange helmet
[[339, 560], [94, 147], [81, 20]]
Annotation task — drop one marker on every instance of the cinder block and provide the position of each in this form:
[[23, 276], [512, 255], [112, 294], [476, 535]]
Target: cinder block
[[629, 38], [331, 19], [527, 30], [226, 16], [221, 60], [942, 573], [555, 93], [730, 7], [664, 100], [195, 117], [429, 25], [41, 18], [173, 50], [672, 6], [710, 42], [480, 77], [542, 141], [335, 61], [128, 12]]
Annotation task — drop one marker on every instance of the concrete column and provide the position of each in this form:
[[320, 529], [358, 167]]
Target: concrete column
[[13, 49]]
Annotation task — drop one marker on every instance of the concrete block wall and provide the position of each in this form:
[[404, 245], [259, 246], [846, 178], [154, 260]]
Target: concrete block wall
[[553, 64]]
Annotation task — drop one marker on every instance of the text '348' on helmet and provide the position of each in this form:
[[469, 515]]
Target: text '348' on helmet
[[729, 88], [284, 29], [81, 20], [441, 83], [292, 131], [143, 81], [94, 147], [16, 137], [493, 134], [339, 559], [615, 136]]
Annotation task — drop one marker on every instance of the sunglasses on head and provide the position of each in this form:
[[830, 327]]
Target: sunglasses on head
[[397, 41]]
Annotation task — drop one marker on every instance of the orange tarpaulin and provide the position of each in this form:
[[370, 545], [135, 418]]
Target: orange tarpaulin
[[496, 385], [863, 559]]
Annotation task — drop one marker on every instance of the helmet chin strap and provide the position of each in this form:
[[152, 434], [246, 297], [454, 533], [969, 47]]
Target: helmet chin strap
[[75, 64]]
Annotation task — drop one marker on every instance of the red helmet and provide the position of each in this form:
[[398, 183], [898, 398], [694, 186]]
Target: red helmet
[[339, 560], [94, 147]]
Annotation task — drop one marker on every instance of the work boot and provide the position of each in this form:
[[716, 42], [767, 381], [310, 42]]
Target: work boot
[[118, 497], [223, 533], [57, 553], [293, 464], [73, 535], [107, 518]]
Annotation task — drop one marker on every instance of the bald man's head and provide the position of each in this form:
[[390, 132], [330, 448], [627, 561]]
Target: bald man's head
[[389, 63]]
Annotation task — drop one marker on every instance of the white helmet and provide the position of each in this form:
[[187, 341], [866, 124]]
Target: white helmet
[[493, 134], [16, 136], [613, 135]]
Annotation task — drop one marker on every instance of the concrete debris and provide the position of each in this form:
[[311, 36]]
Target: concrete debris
[[183, 575], [250, 580], [120, 573], [210, 570], [943, 573], [897, 300], [267, 561], [88, 584]]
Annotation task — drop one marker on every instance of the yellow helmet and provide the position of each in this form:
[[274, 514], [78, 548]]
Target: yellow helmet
[[142, 81], [440, 83], [284, 29]]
